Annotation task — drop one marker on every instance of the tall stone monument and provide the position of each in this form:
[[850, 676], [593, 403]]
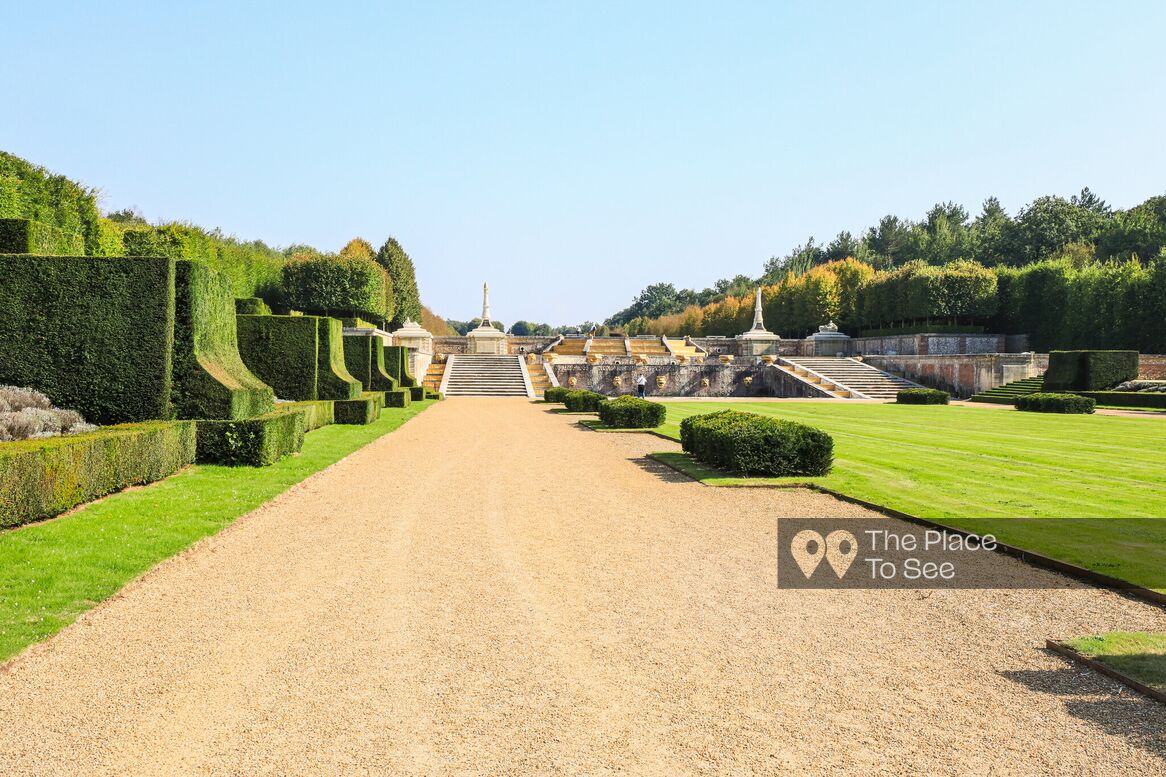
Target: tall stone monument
[[758, 341], [485, 338]]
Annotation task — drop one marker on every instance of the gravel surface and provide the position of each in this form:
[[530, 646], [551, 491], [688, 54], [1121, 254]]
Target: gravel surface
[[493, 590]]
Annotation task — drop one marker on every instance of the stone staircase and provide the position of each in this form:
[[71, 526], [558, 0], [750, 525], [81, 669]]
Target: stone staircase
[[570, 346], [682, 348], [433, 376], [643, 346], [608, 346], [472, 375], [539, 380], [846, 378], [1008, 393]]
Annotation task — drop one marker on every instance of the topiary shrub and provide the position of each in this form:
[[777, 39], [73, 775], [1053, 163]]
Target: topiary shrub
[[365, 359], [210, 379], [20, 236], [631, 413], [1155, 400], [922, 396], [752, 444], [42, 478], [317, 412], [396, 360], [301, 357], [398, 398], [358, 411], [1047, 402], [252, 306], [1089, 370], [336, 286], [95, 334], [253, 442], [583, 401], [556, 394]]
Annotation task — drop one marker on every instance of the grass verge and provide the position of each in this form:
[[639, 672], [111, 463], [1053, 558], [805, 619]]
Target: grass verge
[[986, 470], [1137, 655], [52, 572]]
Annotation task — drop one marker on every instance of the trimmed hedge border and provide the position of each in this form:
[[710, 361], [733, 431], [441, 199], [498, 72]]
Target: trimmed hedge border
[[922, 396], [434, 395], [301, 357], [398, 398], [631, 413], [1151, 399], [358, 411], [416, 393], [1089, 370], [253, 442], [751, 444], [1048, 402], [556, 394], [397, 365], [583, 401], [42, 478]]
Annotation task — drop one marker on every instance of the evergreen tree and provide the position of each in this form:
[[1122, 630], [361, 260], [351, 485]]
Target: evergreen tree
[[400, 269]]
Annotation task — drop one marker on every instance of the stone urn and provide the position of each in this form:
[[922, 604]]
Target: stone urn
[[617, 381], [571, 381], [769, 359], [747, 380], [704, 382], [661, 381], [594, 358], [532, 358], [726, 358]]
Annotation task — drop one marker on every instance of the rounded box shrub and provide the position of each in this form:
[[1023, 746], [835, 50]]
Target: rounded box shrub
[[631, 413], [341, 286], [1045, 402], [752, 444], [556, 394], [922, 396], [583, 401]]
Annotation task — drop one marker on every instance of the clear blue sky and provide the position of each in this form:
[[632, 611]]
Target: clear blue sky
[[572, 153]]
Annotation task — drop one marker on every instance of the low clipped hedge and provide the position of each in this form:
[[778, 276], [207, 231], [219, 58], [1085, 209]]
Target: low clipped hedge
[[922, 396], [253, 442], [417, 393], [1089, 370], [1151, 399], [42, 478], [631, 413], [751, 444], [398, 398], [556, 394], [1048, 402], [434, 395], [317, 412], [583, 401], [21, 236], [358, 411]]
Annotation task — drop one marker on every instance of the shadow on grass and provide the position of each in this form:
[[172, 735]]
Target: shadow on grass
[[661, 472], [1101, 702]]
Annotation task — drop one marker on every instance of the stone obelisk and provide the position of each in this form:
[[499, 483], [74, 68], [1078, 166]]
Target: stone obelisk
[[485, 338], [758, 340], [485, 304]]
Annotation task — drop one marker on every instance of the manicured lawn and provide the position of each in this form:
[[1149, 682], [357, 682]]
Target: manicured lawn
[[52, 572], [1137, 654], [988, 470]]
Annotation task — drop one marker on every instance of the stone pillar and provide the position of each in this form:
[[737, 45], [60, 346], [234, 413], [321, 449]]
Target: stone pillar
[[420, 344]]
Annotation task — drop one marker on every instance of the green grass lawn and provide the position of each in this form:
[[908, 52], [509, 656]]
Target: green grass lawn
[[993, 471], [52, 572], [1136, 654]]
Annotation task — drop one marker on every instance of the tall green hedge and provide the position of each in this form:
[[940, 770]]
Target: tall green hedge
[[338, 286], [1089, 370], [300, 357], [41, 478], [397, 365], [253, 269], [31, 192], [94, 334], [210, 379], [20, 236], [251, 442]]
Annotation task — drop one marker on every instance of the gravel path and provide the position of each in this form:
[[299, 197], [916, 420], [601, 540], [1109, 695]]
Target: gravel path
[[491, 589]]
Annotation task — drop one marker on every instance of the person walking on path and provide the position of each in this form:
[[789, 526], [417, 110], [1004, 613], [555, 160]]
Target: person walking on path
[[641, 386]]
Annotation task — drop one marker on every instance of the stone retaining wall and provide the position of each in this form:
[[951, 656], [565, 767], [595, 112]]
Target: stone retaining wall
[[1152, 366], [963, 374], [679, 380], [937, 344]]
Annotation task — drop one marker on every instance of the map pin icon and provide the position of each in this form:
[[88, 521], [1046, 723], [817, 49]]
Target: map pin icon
[[807, 559], [841, 548]]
